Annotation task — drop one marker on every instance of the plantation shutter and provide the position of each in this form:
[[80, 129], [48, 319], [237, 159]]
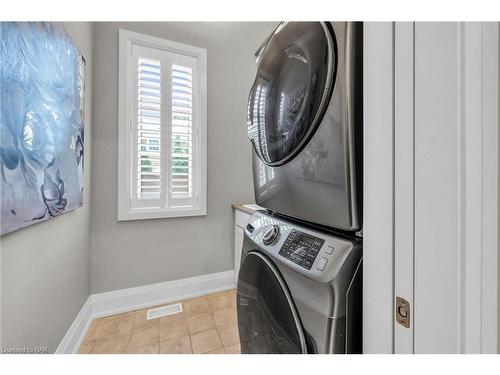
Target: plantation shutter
[[164, 130], [182, 134]]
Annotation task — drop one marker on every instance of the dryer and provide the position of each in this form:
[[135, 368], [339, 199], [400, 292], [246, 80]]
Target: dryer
[[305, 123], [299, 290]]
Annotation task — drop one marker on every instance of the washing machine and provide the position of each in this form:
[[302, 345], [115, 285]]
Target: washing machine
[[299, 289], [305, 122]]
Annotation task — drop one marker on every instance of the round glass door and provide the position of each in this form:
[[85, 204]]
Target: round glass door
[[267, 318], [295, 78]]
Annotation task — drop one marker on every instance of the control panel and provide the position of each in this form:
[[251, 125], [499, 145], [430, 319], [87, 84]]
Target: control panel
[[301, 248], [312, 254]]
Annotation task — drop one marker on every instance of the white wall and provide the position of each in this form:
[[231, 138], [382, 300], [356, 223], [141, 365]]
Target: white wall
[[46, 267], [134, 253]]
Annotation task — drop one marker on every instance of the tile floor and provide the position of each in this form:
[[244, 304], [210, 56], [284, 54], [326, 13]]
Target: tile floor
[[206, 325]]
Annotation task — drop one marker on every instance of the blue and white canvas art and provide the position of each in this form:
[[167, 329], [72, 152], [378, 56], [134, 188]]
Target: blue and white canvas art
[[41, 123]]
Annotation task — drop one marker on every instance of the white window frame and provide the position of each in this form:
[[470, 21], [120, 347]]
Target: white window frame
[[126, 94]]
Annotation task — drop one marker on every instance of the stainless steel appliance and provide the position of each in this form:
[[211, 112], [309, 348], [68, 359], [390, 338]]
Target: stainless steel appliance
[[299, 290], [305, 123]]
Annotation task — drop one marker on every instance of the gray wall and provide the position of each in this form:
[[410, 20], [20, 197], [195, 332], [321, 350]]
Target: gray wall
[[46, 267], [134, 253]]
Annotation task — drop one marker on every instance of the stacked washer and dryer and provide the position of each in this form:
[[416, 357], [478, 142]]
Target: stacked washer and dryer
[[300, 280]]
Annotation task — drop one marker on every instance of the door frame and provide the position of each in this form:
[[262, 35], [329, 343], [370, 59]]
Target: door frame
[[378, 189]]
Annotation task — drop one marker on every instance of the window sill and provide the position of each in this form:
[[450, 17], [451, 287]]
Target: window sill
[[160, 213]]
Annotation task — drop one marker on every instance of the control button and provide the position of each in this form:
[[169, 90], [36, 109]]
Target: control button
[[311, 257], [322, 264], [329, 250], [250, 228], [270, 234]]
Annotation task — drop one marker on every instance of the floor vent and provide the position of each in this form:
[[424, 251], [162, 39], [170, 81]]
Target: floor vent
[[164, 311]]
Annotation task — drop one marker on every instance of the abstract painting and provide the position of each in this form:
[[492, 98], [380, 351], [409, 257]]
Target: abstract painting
[[41, 123]]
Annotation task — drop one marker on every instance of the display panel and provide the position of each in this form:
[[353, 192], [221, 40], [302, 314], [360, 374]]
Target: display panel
[[301, 248]]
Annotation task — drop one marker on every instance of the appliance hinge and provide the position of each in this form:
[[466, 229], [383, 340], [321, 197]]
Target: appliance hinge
[[402, 312]]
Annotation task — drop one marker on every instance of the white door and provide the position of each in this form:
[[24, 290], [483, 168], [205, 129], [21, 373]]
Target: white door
[[403, 186], [456, 187], [442, 136]]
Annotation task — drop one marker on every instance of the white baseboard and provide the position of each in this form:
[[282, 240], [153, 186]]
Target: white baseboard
[[76, 332], [118, 301], [123, 300]]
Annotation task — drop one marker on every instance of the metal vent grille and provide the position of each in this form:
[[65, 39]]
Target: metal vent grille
[[164, 311]]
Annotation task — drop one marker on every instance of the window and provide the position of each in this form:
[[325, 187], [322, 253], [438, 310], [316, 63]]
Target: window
[[162, 128]]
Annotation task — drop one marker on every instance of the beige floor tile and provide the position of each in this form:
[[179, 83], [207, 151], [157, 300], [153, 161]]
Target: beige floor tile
[[111, 345], [94, 331], [173, 326], [200, 323], [196, 306], [116, 325], [179, 345], [148, 349], [233, 349], [225, 316], [86, 347], [217, 351], [139, 319], [144, 336], [229, 334], [205, 341], [116, 317], [132, 331], [222, 300]]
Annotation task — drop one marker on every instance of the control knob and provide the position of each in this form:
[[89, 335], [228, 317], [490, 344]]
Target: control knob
[[270, 234]]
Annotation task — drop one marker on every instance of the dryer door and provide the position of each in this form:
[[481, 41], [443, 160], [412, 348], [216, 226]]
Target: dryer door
[[268, 321], [295, 78]]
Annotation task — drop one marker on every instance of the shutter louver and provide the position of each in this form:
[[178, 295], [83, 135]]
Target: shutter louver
[[149, 124], [182, 133]]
